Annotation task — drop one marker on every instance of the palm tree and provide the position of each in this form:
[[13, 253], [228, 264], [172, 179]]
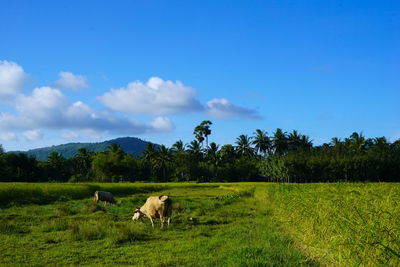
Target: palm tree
[[227, 152], [305, 142], [162, 159], [261, 142], [194, 147], [335, 141], [280, 141], [294, 140], [178, 146], [213, 157], [83, 161], [116, 150], [381, 143], [149, 153], [357, 140], [243, 146]]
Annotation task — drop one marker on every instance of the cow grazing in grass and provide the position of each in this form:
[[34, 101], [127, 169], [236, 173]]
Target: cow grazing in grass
[[104, 196], [155, 207]]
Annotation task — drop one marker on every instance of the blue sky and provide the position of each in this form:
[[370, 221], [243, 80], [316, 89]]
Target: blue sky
[[78, 71]]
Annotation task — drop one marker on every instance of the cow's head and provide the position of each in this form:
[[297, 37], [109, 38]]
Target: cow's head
[[137, 214]]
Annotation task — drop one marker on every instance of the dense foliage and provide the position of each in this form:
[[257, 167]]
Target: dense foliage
[[283, 157]]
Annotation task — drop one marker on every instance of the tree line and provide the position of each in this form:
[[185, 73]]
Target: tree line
[[280, 157]]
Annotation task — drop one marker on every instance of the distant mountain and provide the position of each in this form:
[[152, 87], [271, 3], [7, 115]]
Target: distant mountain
[[131, 145]]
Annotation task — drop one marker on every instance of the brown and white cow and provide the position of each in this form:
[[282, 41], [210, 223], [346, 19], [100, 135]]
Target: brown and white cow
[[155, 207]]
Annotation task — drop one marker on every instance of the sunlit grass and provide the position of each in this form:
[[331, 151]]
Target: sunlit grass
[[341, 224], [212, 225]]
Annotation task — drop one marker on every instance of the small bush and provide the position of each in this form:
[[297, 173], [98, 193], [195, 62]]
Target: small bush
[[92, 207], [12, 227], [64, 210], [130, 232], [91, 230], [55, 225]]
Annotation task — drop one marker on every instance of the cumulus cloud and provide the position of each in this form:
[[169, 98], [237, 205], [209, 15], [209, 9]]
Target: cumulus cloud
[[33, 135], [222, 108], [49, 108], [156, 97], [72, 81], [162, 124], [12, 79], [69, 135], [8, 136]]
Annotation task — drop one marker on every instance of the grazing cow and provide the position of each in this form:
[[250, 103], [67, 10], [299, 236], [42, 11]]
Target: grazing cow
[[104, 196], [155, 207]]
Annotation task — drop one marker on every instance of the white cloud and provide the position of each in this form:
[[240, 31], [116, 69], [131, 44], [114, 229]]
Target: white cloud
[[72, 81], [8, 136], [156, 97], [69, 135], [46, 105], [162, 124], [221, 108], [12, 79], [48, 108], [33, 135]]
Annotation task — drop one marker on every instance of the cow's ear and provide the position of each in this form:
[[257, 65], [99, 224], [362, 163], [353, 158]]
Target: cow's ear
[[163, 198]]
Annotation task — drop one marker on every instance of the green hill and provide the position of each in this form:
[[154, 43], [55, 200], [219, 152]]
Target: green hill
[[131, 145]]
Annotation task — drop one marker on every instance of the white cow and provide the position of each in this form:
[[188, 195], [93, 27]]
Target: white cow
[[155, 207]]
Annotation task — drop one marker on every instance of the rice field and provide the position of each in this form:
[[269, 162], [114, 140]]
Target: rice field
[[221, 224]]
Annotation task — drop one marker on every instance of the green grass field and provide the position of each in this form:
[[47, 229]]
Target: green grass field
[[246, 224]]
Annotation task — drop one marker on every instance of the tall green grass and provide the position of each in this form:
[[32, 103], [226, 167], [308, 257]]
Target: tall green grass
[[341, 224], [212, 225], [44, 193]]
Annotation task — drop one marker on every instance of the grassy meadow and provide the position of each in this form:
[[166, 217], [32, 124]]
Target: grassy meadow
[[220, 224]]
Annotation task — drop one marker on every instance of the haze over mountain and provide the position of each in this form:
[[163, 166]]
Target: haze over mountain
[[131, 145]]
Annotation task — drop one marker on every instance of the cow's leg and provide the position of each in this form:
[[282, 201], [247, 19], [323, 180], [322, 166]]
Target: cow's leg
[[162, 218], [151, 220], [169, 220]]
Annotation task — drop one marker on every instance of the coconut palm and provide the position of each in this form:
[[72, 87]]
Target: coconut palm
[[162, 159], [293, 140], [213, 157], [335, 141], [305, 142], [194, 148], [262, 142], [280, 141], [178, 146], [357, 141], [243, 146], [149, 153]]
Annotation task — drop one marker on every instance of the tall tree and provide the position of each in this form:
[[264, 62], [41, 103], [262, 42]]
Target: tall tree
[[357, 141], [82, 163], [243, 146], [202, 131], [293, 140], [194, 148], [178, 146], [57, 167], [280, 142], [162, 160], [261, 142]]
